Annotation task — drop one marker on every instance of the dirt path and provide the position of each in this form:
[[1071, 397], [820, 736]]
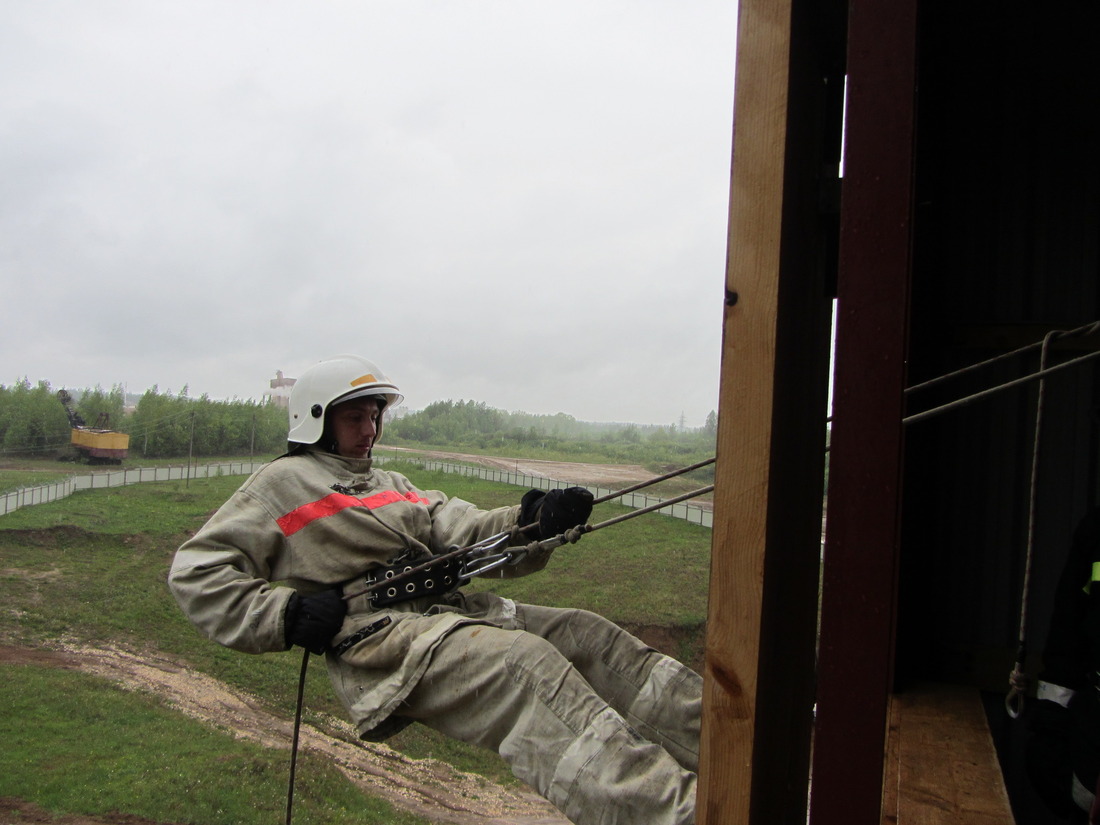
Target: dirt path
[[602, 475], [426, 787]]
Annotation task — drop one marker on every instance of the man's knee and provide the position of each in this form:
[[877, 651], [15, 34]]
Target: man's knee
[[539, 667]]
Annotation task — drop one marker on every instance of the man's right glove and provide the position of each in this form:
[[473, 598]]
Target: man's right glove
[[557, 510], [312, 620]]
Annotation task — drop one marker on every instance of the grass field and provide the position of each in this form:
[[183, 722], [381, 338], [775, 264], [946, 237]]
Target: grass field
[[91, 569]]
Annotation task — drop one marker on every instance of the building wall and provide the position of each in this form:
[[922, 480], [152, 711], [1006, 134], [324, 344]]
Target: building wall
[[1007, 233]]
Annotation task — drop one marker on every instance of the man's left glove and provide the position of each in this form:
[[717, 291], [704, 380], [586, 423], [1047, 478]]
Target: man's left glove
[[555, 511], [312, 620]]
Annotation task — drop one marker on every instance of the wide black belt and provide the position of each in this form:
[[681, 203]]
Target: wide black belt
[[435, 579]]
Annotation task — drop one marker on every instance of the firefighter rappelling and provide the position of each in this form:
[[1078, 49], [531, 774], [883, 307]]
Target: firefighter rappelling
[[602, 725]]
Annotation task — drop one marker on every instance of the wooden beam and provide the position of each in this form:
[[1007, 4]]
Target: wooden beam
[[941, 765], [758, 697], [863, 517], [745, 409]]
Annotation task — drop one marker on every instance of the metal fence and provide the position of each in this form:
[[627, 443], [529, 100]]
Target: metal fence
[[40, 494], [694, 513]]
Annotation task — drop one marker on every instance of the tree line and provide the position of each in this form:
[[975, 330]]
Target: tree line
[[34, 422]]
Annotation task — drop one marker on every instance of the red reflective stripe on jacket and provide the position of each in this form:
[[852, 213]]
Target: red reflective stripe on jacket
[[298, 518], [390, 497]]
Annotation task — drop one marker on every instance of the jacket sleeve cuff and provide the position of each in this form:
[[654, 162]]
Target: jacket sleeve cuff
[[1050, 692]]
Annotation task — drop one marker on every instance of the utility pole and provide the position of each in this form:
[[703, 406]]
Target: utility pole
[[190, 450]]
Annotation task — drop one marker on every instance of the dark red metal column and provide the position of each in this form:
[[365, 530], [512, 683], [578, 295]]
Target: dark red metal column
[[861, 551]]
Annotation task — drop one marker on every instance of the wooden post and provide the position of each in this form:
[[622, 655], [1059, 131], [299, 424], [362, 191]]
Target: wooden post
[[758, 695], [861, 550]]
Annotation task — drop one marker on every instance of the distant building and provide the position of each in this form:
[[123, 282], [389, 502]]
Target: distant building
[[280, 389]]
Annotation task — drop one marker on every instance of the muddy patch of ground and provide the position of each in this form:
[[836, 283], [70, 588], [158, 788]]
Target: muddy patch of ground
[[17, 812]]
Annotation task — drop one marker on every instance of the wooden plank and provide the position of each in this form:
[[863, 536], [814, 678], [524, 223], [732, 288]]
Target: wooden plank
[[745, 403], [745, 410], [942, 766], [769, 476], [891, 770]]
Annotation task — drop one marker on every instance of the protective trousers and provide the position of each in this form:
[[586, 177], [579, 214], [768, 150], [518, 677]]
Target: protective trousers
[[604, 727]]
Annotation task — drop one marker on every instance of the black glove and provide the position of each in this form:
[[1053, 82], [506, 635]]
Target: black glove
[[555, 511], [312, 620]]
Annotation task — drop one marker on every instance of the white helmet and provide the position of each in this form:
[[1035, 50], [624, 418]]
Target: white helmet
[[329, 382]]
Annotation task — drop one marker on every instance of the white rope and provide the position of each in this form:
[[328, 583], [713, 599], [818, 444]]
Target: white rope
[[1017, 679], [294, 739], [1087, 329], [969, 399]]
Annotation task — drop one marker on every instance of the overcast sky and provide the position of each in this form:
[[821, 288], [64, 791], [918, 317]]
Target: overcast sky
[[520, 203]]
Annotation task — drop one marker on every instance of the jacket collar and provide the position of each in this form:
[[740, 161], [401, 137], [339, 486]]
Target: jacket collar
[[357, 466]]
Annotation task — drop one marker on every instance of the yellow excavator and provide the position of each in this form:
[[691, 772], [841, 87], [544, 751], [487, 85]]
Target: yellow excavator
[[98, 444]]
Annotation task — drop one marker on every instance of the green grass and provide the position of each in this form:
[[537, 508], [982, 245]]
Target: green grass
[[657, 456], [75, 744], [16, 473], [92, 568], [15, 479], [162, 508]]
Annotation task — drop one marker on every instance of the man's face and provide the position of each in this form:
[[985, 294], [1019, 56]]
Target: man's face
[[355, 426]]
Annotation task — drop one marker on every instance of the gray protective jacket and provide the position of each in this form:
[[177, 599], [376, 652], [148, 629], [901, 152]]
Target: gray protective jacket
[[314, 521]]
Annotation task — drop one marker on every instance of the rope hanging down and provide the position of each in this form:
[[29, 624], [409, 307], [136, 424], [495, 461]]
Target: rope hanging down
[[299, 704], [1014, 700], [1017, 679]]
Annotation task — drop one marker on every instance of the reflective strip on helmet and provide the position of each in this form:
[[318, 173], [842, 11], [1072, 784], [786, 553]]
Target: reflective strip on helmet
[[332, 504]]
